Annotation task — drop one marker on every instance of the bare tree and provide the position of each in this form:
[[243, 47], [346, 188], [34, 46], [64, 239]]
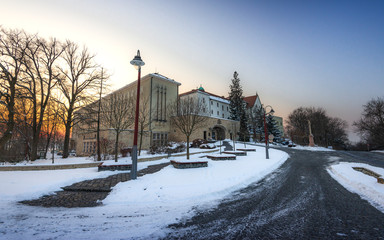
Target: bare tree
[[144, 115], [41, 77], [117, 114], [326, 130], [80, 83], [89, 116], [371, 124], [13, 45], [185, 116], [51, 124]]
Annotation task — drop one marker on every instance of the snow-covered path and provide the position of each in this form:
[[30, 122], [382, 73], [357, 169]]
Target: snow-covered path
[[300, 200], [134, 209]]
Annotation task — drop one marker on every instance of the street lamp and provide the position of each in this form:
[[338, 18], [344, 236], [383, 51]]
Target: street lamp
[[137, 63], [265, 129]]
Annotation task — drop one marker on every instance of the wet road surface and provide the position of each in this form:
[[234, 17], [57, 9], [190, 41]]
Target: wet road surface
[[300, 200]]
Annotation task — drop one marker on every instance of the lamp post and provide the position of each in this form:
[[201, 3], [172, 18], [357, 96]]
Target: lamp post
[[266, 130], [137, 63]]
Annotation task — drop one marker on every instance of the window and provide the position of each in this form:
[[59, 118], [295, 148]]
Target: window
[[211, 103], [218, 114], [160, 139], [223, 115], [203, 100], [212, 112], [217, 104], [222, 107], [161, 103], [203, 110]]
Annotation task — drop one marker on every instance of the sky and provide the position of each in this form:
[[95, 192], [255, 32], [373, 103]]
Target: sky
[[327, 54]]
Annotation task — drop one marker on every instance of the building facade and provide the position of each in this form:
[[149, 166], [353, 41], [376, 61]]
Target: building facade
[[157, 92], [217, 125], [254, 103]]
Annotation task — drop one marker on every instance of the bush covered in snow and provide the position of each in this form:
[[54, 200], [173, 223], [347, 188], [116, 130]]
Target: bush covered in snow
[[198, 142], [208, 146], [171, 147]]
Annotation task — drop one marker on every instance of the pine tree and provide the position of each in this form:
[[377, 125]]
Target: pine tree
[[244, 132], [237, 107], [272, 127], [235, 98], [256, 122]]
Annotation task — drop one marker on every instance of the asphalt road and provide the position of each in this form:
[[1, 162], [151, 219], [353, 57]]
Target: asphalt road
[[300, 200]]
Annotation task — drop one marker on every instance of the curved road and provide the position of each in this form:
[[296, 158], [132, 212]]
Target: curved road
[[300, 200]]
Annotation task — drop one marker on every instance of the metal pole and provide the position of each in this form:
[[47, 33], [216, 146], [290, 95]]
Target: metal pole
[[266, 136], [98, 118], [134, 148]]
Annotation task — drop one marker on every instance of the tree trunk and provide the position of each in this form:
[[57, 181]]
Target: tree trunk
[[68, 126], [116, 145], [35, 143], [66, 140], [47, 145], [53, 148], [188, 147], [10, 126], [11, 116]]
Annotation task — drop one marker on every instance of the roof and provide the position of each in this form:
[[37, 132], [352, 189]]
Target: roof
[[204, 92], [250, 100], [163, 77]]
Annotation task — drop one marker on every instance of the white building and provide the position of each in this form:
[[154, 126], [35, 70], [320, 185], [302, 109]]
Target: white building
[[215, 106]]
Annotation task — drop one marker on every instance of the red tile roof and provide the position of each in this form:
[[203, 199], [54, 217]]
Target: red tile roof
[[250, 100]]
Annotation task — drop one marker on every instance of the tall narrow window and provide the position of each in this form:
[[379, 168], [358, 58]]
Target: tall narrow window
[[161, 103], [157, 105], [165, 104]]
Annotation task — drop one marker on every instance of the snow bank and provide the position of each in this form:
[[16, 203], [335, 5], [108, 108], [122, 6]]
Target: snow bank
[[314, 149], [360, 183], [140, 209]]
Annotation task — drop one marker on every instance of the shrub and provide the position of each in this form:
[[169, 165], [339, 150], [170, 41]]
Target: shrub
[[197, 142]]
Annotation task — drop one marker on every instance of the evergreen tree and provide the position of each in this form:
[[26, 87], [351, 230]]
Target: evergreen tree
[[272, 127], [244, 132], [238, 107], [256, 122], [235, 98]]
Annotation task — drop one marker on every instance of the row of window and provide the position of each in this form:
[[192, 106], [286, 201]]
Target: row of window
[[160, 139], [89, 147]]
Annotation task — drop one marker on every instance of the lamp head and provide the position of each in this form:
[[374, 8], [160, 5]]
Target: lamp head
[[137, 62], [272, 111]]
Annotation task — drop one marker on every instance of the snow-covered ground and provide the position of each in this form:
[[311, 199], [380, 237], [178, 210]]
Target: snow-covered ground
[[298, 147], [366, 186], [316, 148], [378, 151], [135, 209], [58, 160]]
